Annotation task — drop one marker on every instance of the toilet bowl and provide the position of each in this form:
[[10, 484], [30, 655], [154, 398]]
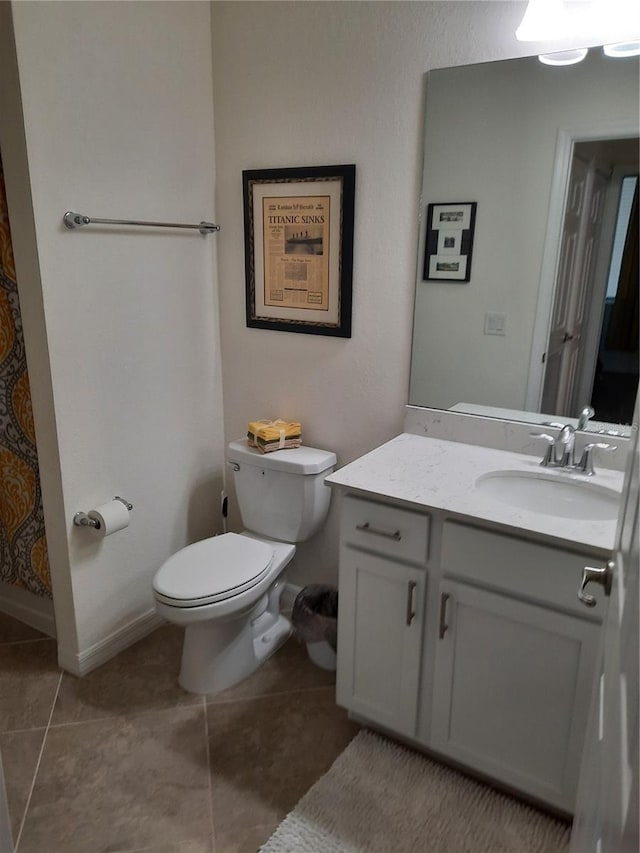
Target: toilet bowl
[[226, 590]]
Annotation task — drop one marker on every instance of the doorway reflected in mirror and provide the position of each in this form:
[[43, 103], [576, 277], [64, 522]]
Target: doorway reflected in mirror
[[592, 354]]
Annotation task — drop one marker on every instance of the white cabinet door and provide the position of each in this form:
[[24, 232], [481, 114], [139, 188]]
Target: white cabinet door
[[512, 689], [380, 622]]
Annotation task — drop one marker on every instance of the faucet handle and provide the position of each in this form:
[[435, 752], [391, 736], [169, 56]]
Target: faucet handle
[[586, 461], [548, 455]]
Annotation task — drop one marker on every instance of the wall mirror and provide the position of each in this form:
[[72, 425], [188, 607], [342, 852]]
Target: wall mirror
[[548, 322]]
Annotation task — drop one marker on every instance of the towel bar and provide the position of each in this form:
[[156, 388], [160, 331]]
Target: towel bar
[[77, 220]]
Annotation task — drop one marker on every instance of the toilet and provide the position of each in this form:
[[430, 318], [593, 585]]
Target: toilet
[[226, 590]]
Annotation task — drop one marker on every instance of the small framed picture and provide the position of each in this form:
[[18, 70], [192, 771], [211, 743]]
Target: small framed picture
[[449, 241], [448, 267]]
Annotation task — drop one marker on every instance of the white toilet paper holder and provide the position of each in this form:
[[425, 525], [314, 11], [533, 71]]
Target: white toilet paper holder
[[81, 519]]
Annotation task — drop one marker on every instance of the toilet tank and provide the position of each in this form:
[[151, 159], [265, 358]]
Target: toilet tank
[[281, 494]]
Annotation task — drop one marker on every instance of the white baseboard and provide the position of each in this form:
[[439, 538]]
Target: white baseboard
[[288, 596], [33, 610], [80, 663]]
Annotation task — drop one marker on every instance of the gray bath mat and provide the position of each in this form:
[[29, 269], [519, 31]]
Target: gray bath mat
[[379, 797]]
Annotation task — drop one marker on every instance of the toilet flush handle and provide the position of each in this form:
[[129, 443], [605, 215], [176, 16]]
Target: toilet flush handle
[[234, 466]]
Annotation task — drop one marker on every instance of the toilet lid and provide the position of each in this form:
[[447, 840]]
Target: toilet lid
[[212, 570]]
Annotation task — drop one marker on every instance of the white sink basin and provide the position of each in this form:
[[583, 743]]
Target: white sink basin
[[551, 494]]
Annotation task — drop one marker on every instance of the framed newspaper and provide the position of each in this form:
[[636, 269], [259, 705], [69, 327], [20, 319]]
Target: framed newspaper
[[298, 236]]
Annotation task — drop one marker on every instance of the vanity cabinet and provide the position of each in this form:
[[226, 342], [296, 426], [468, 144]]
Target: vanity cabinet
[[511, 690], [491, 666], [515, 661], [383, 576]]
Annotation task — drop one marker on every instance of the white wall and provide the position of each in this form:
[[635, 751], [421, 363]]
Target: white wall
[[118, 115], [491, 134], [318, 83]]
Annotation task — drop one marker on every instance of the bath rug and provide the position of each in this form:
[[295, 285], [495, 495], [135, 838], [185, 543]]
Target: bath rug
[[379, 797]]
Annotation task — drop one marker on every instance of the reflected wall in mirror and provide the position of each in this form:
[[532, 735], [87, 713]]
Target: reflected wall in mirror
[[549, 321]]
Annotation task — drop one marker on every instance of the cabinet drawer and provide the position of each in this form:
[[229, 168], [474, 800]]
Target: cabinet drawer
[[384, 529], [539, 572]]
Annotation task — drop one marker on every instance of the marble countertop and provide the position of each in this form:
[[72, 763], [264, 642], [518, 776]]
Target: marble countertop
[[432, 473]]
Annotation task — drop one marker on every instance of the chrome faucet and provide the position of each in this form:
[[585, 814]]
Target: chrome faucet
[[585, 416], [561, 450], [565, 446]]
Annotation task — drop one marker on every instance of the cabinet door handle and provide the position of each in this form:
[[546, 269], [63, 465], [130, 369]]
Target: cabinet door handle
[[366, 528], [410, 611], [444, 598], [602, 576]]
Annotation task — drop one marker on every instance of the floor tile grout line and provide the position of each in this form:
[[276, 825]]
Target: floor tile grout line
[[4, 732], [129, 715], [269, 695], [37, 768], [209, 780], [181, 707], [154, 849], [22, 642]]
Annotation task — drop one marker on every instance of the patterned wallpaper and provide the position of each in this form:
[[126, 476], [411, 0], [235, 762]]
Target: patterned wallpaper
[[23, 547]]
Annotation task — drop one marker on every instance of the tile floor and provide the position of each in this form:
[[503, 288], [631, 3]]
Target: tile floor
[[123, 760]]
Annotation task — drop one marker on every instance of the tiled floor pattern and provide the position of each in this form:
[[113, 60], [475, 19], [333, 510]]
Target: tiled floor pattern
[[125, 761]]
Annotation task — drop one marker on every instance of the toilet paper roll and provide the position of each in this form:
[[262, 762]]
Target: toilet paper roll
[[112, 516]]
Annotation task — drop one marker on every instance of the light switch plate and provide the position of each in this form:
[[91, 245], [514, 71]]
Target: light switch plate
[[495, 324]]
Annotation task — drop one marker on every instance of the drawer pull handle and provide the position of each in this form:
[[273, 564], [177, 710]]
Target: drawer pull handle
[[410, 611], [444, 598], [366, 528]]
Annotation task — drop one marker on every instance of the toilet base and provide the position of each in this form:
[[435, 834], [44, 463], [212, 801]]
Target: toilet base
[[216, 655]]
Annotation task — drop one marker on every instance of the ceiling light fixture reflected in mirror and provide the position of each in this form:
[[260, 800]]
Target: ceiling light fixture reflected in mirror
[[622, 49], [564, 57]]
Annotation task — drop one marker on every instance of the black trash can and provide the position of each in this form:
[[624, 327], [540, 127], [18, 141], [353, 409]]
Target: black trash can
[[315, 621]]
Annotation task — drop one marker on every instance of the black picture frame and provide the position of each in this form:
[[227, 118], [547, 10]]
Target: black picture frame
[[449, 241], [307, 260]]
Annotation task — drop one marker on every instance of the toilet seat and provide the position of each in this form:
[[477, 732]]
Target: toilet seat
[[212, 570]]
